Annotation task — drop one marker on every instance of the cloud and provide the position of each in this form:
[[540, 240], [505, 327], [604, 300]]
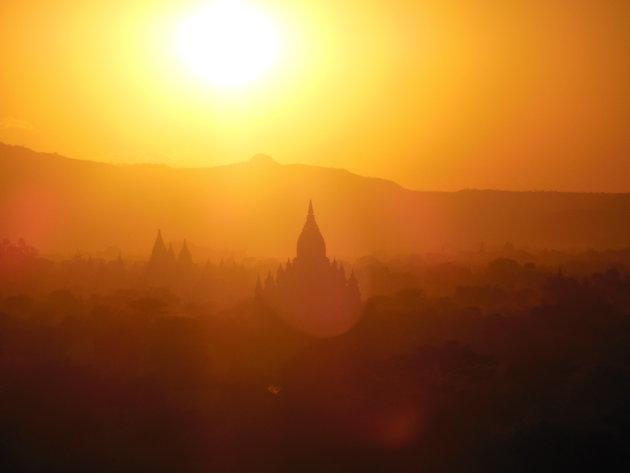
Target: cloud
[[12, 123]]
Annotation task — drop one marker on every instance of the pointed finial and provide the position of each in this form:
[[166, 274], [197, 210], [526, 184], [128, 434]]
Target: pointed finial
[[310, 207], [258, 292]]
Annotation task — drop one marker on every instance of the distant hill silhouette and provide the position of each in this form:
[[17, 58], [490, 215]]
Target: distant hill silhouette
[[57, 203]]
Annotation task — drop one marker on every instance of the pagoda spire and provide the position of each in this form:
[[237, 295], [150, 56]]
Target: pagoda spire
[[159, 253], [185, 257], [258, 292], [171, 254], [311, 245]]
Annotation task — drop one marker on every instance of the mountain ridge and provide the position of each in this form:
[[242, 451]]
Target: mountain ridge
[[7, 146], [4, 147], [258, 206]]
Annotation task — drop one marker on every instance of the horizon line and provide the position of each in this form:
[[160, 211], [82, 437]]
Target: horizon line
[[271, 161]]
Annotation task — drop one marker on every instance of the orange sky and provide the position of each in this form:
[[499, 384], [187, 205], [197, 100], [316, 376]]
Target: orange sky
[[436, 95]]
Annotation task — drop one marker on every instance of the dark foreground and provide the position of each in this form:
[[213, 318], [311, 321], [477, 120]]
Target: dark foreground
[[528, 373]]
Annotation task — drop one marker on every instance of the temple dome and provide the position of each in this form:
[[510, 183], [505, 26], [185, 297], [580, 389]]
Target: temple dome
[[310, 293], [311, 245]]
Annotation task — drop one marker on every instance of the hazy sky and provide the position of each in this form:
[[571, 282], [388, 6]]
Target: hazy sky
[[433, 94]]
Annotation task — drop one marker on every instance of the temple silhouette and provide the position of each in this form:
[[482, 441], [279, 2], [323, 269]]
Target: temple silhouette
[[163, 265], [310, 292]]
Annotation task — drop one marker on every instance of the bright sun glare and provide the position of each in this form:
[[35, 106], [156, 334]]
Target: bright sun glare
[[229, 43]]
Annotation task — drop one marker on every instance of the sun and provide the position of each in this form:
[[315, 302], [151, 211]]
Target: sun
[[228, 42]]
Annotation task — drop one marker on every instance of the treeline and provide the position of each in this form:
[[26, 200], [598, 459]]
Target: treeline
[[519, 366]]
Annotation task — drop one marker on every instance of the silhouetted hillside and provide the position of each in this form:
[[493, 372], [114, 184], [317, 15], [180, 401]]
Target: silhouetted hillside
[[63, 204]]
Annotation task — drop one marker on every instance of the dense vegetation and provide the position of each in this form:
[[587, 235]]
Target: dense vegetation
[[506, 366]]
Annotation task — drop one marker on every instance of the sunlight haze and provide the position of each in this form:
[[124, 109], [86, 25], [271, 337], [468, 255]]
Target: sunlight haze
[[433, 95], [228, 42], [355, 236]]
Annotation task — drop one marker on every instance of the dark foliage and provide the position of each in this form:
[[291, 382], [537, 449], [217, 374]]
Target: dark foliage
[[520, 369]]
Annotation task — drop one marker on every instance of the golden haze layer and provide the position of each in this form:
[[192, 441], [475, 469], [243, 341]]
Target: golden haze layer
[[434, 95]]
